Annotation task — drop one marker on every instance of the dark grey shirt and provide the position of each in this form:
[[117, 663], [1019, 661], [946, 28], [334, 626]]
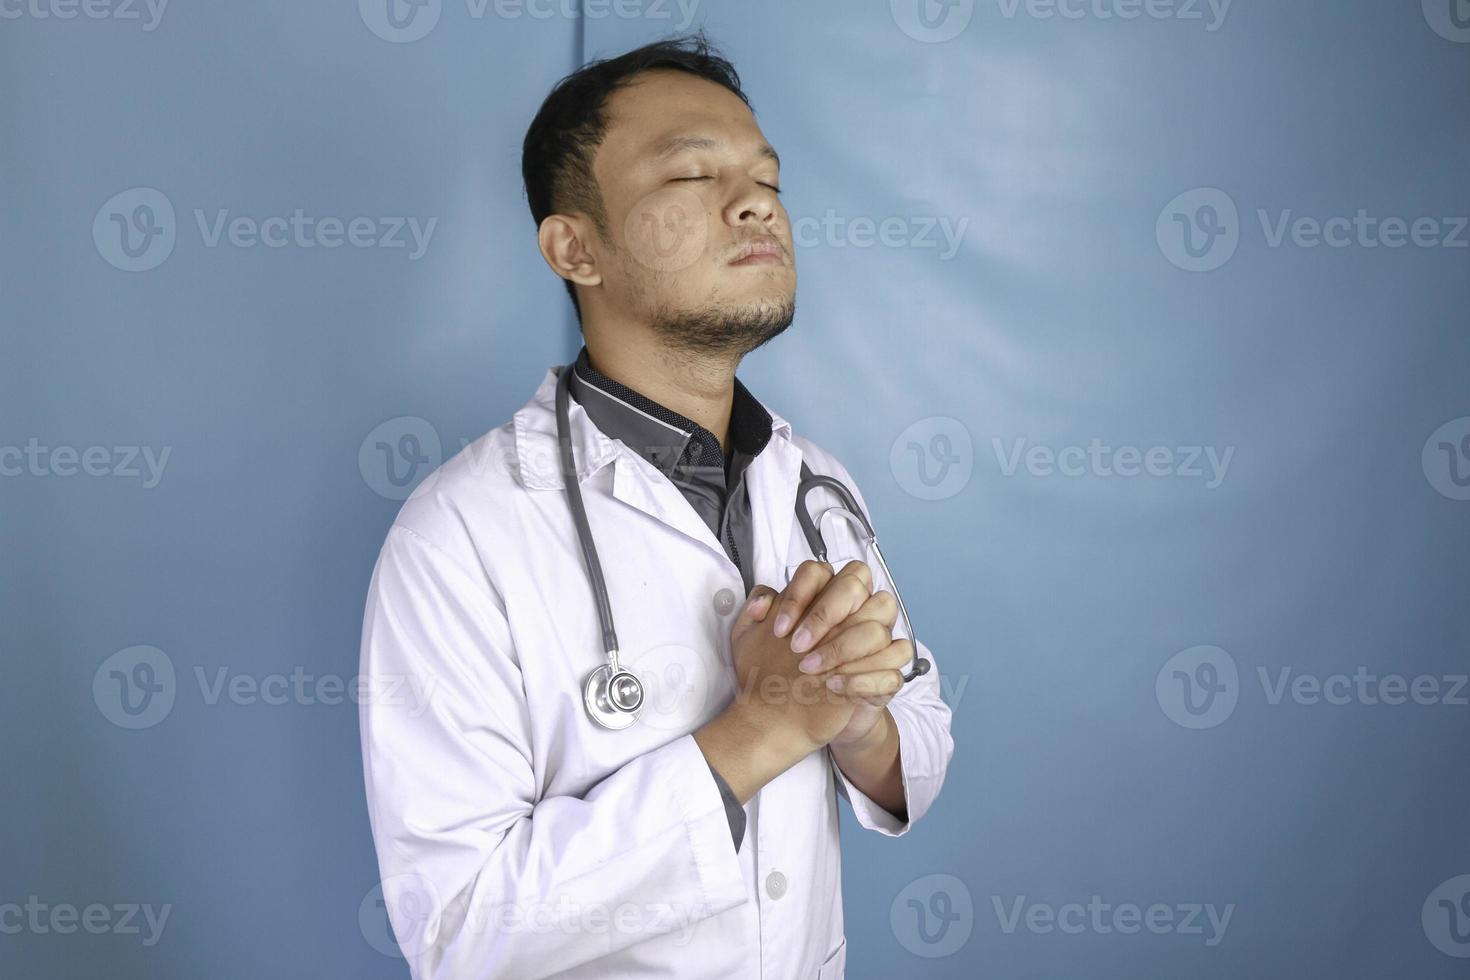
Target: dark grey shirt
[[690, 456]]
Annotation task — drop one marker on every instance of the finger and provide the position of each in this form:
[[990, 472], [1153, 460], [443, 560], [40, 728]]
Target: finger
[[860, 570], [895, 656], [810, 578], [869, 686], [849, 643], [880, 607], [757, 606], [759, 603], [843, 596]]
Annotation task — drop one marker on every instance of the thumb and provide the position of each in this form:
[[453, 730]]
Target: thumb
[[757, 605]]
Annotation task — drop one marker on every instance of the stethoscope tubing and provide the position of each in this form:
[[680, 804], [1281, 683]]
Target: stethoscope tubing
[[579, 517], [614, 694], [852, 512]]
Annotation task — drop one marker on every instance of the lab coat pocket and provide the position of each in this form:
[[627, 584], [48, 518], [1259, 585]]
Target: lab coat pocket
[[837, 561], [836, 965], [843, 545]]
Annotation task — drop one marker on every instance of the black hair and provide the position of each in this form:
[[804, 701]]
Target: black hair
[[556, 158]]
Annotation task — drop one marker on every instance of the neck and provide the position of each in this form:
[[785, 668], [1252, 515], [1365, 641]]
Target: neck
[[699, 387]]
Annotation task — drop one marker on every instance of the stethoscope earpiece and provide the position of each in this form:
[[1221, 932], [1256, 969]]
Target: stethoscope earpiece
[[921, 667]]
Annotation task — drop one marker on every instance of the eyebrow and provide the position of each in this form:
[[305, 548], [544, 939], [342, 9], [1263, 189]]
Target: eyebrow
[[677, 144]]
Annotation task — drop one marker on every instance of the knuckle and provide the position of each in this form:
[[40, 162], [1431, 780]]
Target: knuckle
[[846, 647], [856, 588], [818, 617], [811, 568]]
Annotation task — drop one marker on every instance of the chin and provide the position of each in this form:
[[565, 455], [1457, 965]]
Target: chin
[[765, 291]]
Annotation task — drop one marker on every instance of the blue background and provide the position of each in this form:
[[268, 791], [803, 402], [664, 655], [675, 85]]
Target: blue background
[[1052, 602]]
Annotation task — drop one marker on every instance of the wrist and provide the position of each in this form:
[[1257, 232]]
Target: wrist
[[750, 748], [874, 765], [869, 741]]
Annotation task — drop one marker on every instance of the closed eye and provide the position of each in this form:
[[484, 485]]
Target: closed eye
[[762, 183]]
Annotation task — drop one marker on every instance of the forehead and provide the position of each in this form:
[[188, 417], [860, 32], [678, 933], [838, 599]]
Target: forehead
[[663, 111]]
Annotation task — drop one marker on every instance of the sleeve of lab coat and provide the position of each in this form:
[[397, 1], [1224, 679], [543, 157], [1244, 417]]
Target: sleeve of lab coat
[[479, 874], [925, 744]]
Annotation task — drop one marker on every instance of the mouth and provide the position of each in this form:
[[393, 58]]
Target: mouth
[[760, 251]]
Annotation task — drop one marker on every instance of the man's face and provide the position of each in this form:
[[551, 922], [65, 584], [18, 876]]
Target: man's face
[[690, 188]]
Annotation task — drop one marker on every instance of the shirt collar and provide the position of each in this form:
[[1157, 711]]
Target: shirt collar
[[536, 463], [660, 435]]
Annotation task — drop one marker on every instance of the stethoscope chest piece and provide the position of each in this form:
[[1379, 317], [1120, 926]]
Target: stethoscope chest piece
[[613, 697]]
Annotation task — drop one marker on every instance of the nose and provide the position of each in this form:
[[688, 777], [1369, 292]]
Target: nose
[[752, 202]]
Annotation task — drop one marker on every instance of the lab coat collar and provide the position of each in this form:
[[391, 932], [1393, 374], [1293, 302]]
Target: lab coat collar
[[538, 463], [771, 478], [670, 441]]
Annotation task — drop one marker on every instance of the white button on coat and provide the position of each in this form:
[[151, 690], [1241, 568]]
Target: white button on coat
[[515, 837]]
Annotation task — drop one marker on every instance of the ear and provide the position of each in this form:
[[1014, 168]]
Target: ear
[[563, 239]]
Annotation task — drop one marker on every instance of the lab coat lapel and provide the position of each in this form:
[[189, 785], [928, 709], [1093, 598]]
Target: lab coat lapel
[[771, 481], [538, 458], [639, 485], [635, 481]]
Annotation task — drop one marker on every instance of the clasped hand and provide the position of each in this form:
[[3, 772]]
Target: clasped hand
[[829, 682]]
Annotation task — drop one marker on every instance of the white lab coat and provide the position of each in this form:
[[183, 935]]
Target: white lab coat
[[518, 839]]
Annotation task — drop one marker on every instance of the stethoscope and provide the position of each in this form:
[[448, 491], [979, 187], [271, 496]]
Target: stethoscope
[[613, 693]]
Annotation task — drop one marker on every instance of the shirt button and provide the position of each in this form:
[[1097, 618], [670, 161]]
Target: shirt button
[[775, 884], [724, 602]]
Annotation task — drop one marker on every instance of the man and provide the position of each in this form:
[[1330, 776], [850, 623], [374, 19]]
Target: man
[[518, 838]]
